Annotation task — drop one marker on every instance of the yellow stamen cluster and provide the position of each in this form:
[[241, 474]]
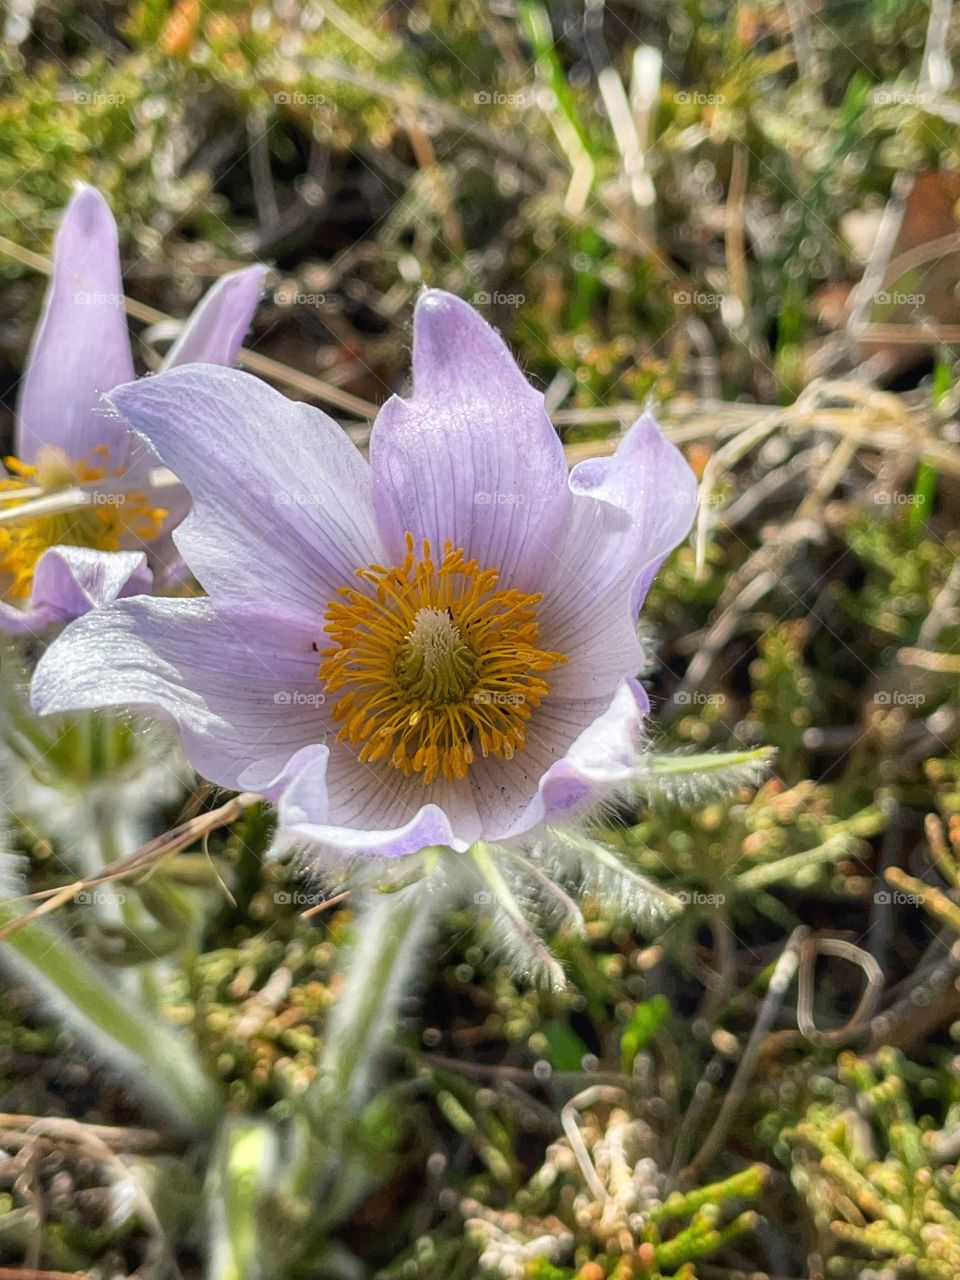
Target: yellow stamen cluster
[[434, 663], [114, 521]]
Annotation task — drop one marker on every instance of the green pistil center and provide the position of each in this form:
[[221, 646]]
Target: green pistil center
[[435, 664]]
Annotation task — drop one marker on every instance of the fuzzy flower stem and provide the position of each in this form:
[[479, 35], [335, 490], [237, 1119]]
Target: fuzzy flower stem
[[706, 762], [482, 855], [377, 967], [241, 1172], [158, 1062]]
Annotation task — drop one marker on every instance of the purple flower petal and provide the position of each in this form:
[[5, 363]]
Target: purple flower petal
[[241, 685], [649, 479], [355, 810], [282, 506], [628, 512], [81, 346], [585, 613], [162, 555], [219, 322], [70, 581], [26, 622], [594, 761], [212, 335], [74, 579], [470, 456]]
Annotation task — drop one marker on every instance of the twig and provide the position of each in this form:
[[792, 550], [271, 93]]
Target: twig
[[325, 905], [569, 1117], [876, 268], [941, 610], [117, 1137], [264, 195], [733, 228], [426, 158], [804, 49], [179, 837], [522, 1075], [780, 980], [867, 1006], [31, 1273], [99, 1150]]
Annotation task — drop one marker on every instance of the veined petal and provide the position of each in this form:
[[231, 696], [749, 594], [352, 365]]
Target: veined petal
[[70, 581], [213, 334], [591, 756], [649, 479], [282, 505], [241, 685], [81, 346], [628, 512], [470, 456], [75, 580], [162, 554], [336, 804], [585, 613], [215, 330]]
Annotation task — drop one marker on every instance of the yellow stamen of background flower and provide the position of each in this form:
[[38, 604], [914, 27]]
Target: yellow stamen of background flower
[[110, 521], [434, 664]]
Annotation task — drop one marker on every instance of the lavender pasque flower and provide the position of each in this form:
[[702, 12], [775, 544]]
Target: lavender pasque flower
[[437, 647], [55, 566]]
